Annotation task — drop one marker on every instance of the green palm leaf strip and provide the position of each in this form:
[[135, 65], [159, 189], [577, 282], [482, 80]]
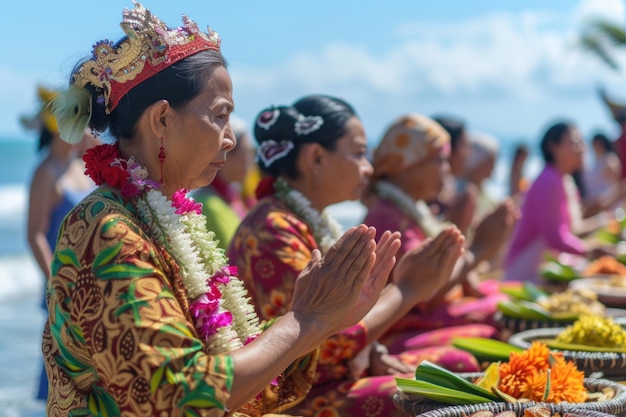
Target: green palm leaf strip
[[439, 393], [430, 373], [553, 344], [485, 349], [524, 310], [527, 292], [553, 270]]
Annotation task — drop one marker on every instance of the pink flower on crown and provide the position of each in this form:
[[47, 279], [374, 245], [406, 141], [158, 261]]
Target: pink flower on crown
[[183, 204]]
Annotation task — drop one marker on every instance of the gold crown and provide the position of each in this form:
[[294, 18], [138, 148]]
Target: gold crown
[[150, 47]]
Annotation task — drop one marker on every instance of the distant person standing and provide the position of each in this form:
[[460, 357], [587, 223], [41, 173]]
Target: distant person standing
[[58, 183], [618, 111], [552, 217], [603, 179], [479, 167], [457, 203], [517, 182]]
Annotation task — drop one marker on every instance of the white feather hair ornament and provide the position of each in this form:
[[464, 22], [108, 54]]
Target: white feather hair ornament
[[72, 109]]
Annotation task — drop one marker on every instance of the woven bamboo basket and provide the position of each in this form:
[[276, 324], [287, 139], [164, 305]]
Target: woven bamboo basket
[[416, 405], [610, 365]]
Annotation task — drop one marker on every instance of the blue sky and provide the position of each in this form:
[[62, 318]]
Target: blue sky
[[505, 67]]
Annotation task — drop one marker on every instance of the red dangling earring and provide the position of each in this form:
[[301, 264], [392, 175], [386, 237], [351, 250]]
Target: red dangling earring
[[161, 159]]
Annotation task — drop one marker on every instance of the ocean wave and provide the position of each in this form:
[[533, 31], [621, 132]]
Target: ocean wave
[[13, 202], [19, 277], [13, 216]]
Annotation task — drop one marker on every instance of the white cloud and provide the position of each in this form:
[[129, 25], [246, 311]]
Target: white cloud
[[523, 56], [523, 59]]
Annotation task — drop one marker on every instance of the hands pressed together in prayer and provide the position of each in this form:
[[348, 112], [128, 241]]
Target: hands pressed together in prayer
[[336, 291], [433, 261], [494, 230]]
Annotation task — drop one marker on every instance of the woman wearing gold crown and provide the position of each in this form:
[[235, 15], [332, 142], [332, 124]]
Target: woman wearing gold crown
[[146, 317]]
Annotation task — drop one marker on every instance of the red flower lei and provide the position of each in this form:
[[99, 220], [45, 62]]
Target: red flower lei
[[104, 165]]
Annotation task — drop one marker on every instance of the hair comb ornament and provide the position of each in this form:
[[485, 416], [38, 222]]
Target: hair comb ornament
[[270, 151], [308, 124], [148, 48], [268, 118]]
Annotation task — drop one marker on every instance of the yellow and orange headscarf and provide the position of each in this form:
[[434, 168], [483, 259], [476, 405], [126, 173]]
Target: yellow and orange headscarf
[[409, 140]]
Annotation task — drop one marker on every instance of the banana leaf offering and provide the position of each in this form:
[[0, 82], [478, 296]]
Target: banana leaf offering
[[554, 271], [535, 305], [534, 374], [527, 310]]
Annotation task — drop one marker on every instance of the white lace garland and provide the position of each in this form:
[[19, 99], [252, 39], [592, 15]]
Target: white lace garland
[[326, 230], [200, 258], [417, 210]]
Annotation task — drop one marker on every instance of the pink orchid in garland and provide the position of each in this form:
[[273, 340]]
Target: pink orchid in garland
[[206, 314], [205, 308], [183, 204], [138, 180]]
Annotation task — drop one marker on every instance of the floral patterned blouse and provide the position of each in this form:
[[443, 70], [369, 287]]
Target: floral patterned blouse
[[120, 340], [270, 249]]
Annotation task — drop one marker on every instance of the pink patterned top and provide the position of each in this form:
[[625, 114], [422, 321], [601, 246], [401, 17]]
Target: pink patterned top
[[545, 224]]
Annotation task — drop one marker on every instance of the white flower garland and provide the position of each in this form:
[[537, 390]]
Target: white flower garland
[[417, 210], [200, 258], [326, 230]]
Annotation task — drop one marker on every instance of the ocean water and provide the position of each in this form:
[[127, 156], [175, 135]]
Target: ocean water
[[21, 318]]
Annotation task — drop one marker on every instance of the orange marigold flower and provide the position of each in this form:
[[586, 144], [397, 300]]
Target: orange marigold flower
[[534, 387], [567, 383], [526, 376], [515, 374]]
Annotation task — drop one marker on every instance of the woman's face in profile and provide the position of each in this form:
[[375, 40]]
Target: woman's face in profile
[[202, 136], [348, 170], [425, 179], [570, 151], [459, 155]]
